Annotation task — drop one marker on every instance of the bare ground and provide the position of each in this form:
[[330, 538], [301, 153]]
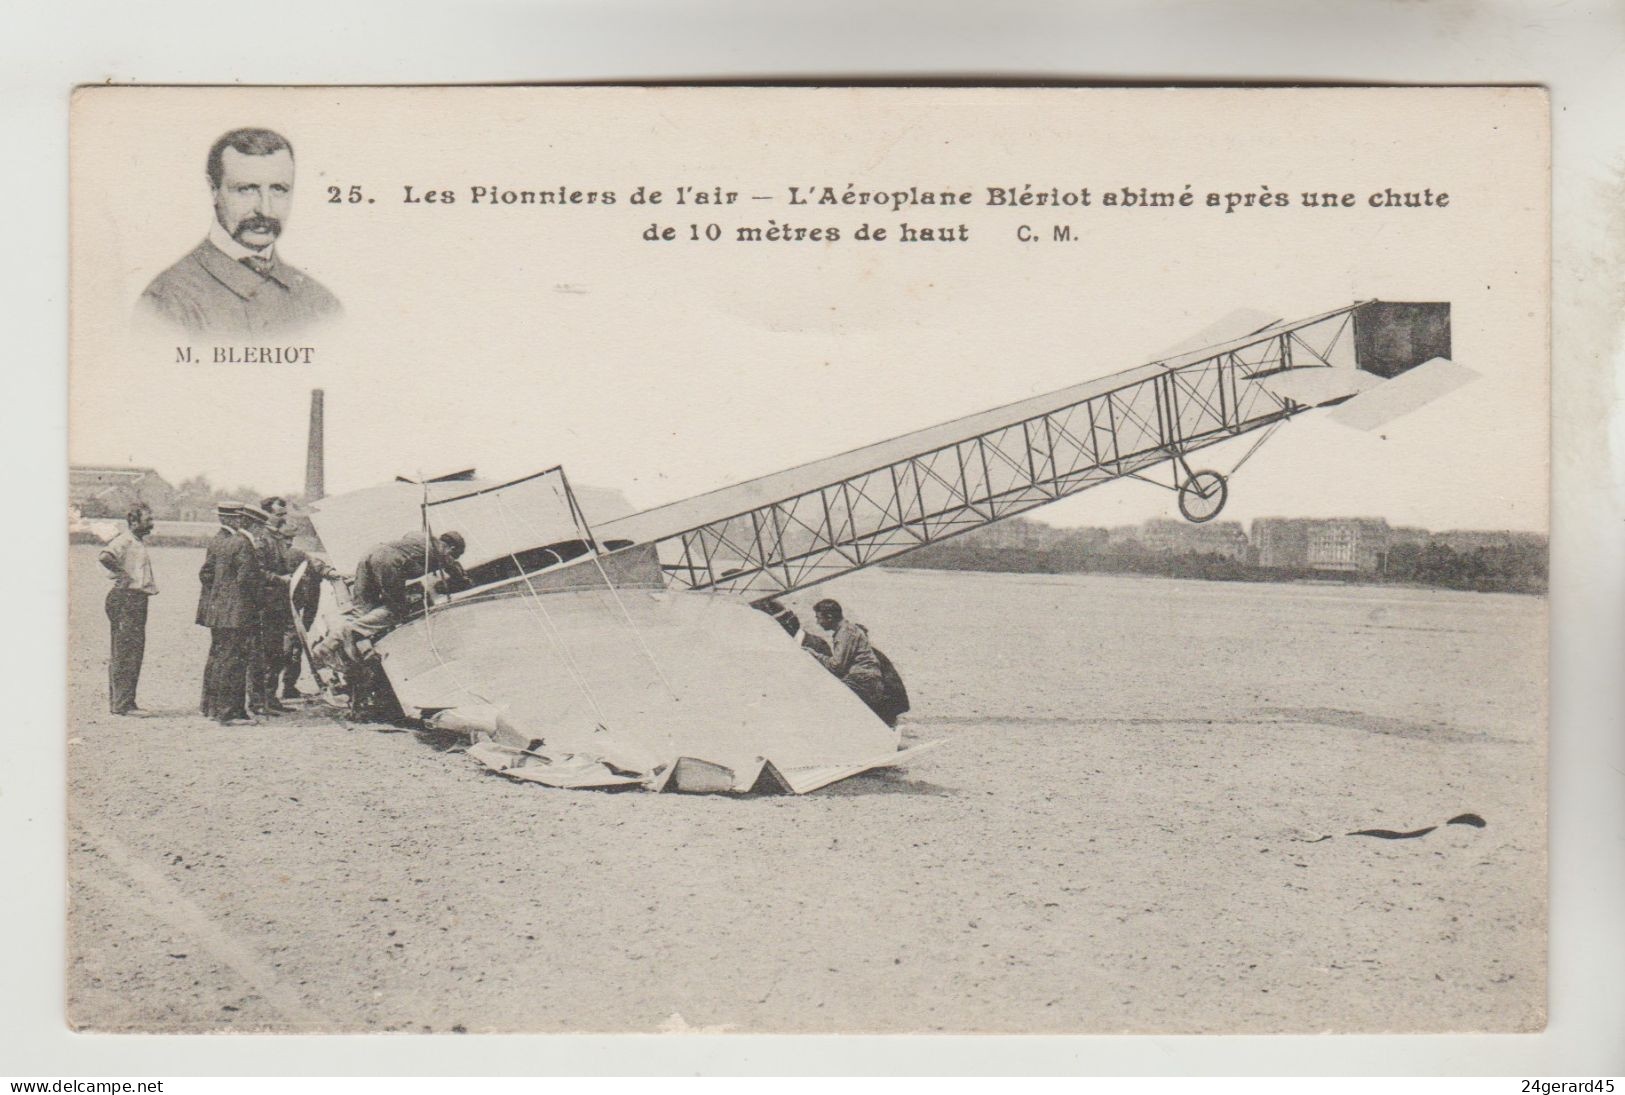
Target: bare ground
[[1123, 833]]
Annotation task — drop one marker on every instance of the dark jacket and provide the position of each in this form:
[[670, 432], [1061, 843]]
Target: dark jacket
[[232, 583], [309, 592], [381, 578], [208, 293], [273, 571]]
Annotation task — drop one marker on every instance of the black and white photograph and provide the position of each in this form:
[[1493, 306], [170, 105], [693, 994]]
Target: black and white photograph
[[235, 283], [727, 541], [812, 560]]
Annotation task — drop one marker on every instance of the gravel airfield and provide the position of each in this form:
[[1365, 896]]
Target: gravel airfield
[[1126, 831]]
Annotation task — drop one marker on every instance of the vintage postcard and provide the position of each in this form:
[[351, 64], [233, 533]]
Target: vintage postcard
[[808, 560]]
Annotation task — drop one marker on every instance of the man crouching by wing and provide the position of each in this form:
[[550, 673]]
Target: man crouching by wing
[[858, 664]]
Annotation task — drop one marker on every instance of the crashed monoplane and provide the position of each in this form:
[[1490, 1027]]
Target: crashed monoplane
[[634, 655]]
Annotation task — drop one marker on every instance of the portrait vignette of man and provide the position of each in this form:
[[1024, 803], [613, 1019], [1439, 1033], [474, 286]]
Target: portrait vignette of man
[[236, 282]]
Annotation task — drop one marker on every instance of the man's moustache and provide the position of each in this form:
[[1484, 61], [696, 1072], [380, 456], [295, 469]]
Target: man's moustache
[[263, 225]]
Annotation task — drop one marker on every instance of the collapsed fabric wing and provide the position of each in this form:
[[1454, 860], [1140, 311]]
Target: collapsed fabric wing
[[588, 673], [352, 524], [601, 687]]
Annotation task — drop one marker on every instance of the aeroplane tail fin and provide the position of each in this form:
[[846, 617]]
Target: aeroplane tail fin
[[1394, 337]]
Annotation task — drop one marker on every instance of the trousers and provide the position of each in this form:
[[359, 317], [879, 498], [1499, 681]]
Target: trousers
[[293, 655], [360, 623], [265, 657], [225, 674], [127, 615]]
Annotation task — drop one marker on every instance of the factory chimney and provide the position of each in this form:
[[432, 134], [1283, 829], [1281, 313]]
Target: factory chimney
[[314, 479]]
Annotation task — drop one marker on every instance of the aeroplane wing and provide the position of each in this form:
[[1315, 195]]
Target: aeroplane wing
[[808, 524]]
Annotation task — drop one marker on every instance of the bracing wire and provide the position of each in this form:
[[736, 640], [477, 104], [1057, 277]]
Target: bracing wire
[[1256, 446], [428, 600], [548, 627], [586, 533], [637, 633]]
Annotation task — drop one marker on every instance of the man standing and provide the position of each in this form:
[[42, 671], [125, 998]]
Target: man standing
[[228, 607], [269, 596], [282, 642], [234, 283], [307, 599], [126, 561]]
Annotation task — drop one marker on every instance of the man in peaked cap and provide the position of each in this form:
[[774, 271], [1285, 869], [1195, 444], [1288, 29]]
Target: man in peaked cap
[[227, 606]]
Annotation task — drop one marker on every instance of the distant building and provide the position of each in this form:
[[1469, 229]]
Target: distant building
[[1021, 534], [1408, 534], [194, 503], [1223, 538], [1348, 544], [105, 490], [1015, 532], [1281, 541]]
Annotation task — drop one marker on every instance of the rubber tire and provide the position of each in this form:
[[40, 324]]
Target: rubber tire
[[1191, 495]]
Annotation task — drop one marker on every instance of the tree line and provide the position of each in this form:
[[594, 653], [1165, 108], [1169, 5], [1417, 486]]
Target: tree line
[[1511, 568]]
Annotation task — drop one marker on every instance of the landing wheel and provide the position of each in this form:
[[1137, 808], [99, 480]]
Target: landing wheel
[[1203, 495]]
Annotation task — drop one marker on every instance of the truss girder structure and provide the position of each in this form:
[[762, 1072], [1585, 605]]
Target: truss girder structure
[[1165, 412]]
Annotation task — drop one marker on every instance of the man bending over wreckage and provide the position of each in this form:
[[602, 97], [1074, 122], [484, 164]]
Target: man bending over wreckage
[[861, 667], [383, 595]]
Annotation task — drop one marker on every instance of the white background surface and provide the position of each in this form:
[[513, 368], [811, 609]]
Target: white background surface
[[1575, 48]]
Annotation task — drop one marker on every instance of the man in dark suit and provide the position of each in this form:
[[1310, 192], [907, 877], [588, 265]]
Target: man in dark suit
[[234, 283], [229, 607], [307, 599], [271, 595], [282, 640]]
